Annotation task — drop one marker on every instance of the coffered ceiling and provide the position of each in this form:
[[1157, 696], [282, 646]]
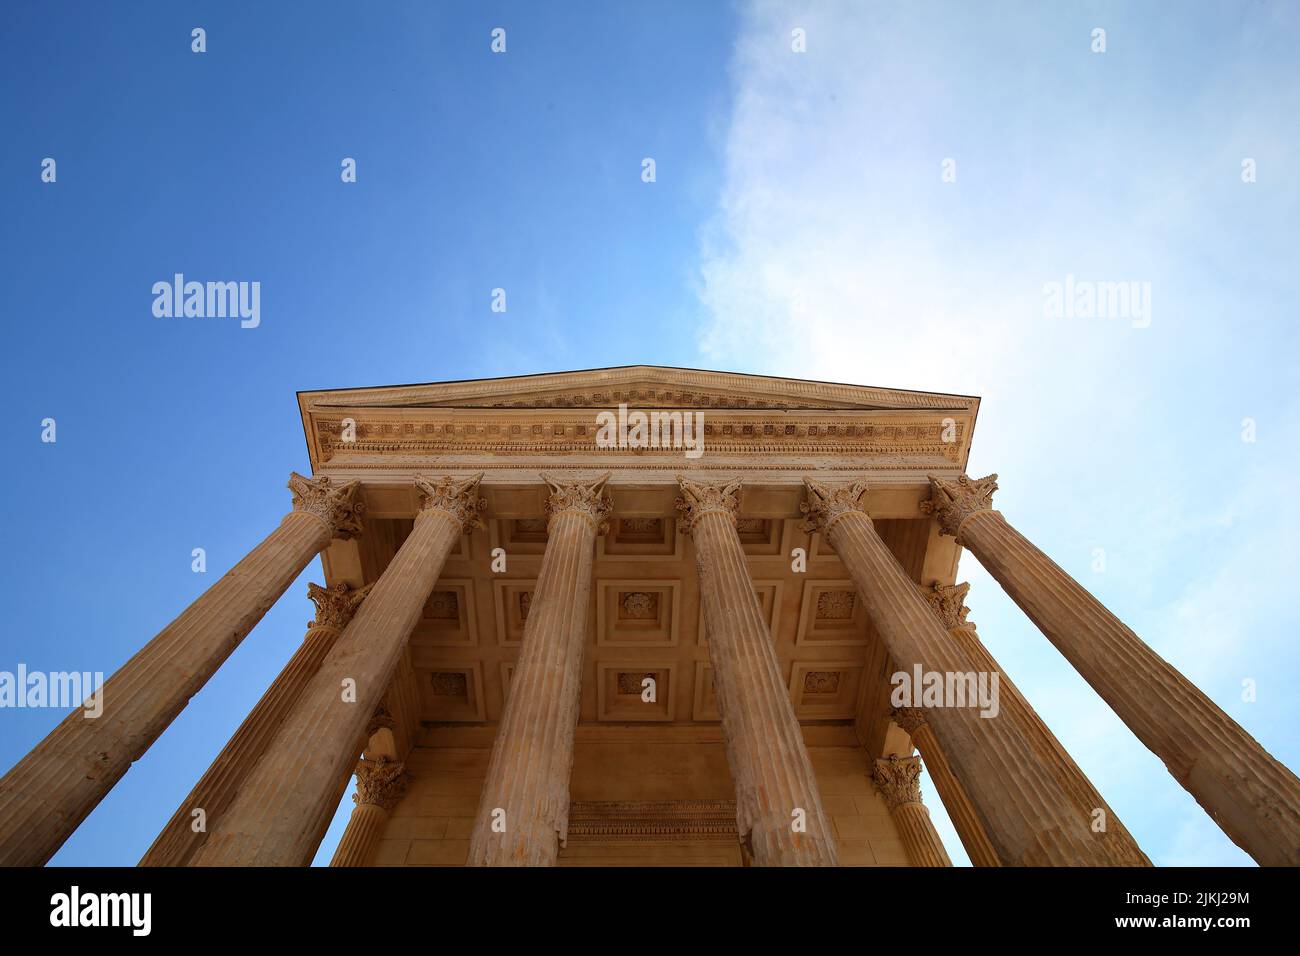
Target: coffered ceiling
[[645, 619]]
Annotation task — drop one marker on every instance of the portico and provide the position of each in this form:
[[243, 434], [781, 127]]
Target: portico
[[537, 647]]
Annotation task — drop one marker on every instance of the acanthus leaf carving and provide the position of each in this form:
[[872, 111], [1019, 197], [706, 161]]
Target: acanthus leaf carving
[[909, 719], [380, 783], [953, 502], [949, 604], [457, 497], [898, 779], [338, 506], [585, 497], [382, 719], [335, 605], [827, 503], [699, 498]]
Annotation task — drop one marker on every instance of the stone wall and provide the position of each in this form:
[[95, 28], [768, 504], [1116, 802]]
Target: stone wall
[[431, 825]]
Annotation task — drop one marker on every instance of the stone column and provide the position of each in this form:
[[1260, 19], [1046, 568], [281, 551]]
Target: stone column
[[1030, 819], [899, 781], [963, 816], [778, 804], [948, 604], [1250, 794], [523, 815], [284, 807], [47, 794], [380, 785], [218, 786]]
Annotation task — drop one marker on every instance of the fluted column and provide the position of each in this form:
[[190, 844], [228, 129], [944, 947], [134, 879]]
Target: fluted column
[[380, 785], [523, 815], [286, 804], [778, 803], [963, 816], [948, 604], [47, 794], [185, 832], [899, 781], [1248, 792], [1028, 816]]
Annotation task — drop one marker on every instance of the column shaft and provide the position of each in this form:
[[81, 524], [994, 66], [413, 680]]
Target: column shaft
[[380, 785], [898, 779], [47, 794], [524, 808], [281, 811], [364, 830], [1027, 815], [218, 786], [917, 830], [778, 803], [960, 811], [1048, 750], [1247, 791]]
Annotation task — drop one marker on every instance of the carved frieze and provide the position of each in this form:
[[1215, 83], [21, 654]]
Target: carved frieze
[[388, 438]]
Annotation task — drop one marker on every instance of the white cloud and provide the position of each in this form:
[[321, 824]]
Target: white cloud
[[838, 253]]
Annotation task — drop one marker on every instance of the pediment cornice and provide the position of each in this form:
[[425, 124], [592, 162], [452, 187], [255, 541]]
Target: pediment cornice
[[532, 419], [645, 386]]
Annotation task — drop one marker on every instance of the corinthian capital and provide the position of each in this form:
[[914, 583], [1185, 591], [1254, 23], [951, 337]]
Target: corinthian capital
[[380, 783], [335, 606], [457, 497], [948, 604], [337, 507], [381, 720], [826, 504], [700, 498], [587, 498], [955, 501], [899, 780], [908, 718]]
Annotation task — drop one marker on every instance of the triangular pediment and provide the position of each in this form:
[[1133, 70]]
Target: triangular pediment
[[642, 386]]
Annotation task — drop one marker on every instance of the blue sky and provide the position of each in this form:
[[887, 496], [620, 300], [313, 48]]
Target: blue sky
[[798, 225]]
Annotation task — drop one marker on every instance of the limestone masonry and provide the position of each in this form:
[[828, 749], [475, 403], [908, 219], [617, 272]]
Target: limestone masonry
[[536, 646]]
